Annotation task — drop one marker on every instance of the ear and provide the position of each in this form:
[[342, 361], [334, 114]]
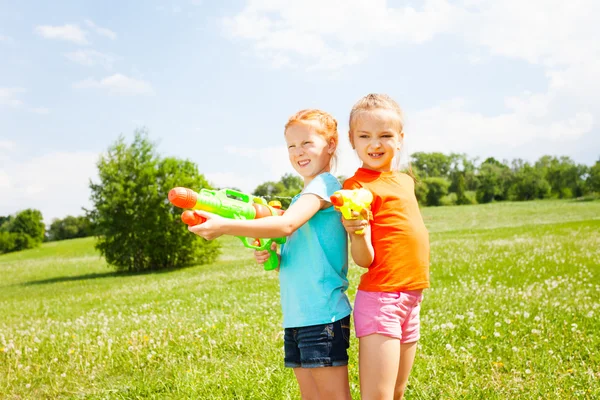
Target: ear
[[331, 146], [400, 141]]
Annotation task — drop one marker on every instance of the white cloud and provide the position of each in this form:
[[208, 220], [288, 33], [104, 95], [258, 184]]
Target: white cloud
[[8, 96], [7, 145], [332, 34], [101, 31], [560, 37], [68, 32], [57, 184], [450, 127], [90, 58], [117, 84]]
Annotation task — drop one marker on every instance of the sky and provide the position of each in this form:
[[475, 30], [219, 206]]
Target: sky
[[215, 82]]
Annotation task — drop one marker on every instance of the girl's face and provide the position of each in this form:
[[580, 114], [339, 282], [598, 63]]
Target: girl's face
[[376, 137], [310, 154]]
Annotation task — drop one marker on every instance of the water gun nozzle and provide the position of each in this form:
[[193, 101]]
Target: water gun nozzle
[[182, 197]]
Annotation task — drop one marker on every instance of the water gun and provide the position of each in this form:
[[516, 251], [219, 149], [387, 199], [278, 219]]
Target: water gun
[[347, 201], [229, 204]]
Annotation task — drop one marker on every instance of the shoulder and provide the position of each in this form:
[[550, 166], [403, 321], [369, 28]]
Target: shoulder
[[323, 185], [352, 183], [405, 179]]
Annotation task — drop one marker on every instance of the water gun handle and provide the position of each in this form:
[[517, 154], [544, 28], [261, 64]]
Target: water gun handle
[[273, 261], [264, 244]]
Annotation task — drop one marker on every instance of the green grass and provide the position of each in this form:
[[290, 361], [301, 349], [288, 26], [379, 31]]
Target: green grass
[[513, 312]]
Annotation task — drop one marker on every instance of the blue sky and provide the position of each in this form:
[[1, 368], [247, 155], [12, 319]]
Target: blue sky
[[214, 82]]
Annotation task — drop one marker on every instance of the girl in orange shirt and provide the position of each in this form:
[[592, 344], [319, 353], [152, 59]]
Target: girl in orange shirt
[[394, 247]]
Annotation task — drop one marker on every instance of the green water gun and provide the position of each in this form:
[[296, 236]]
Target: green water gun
[[231, 204]]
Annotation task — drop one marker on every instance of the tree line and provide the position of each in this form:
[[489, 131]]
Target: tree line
[[138, 229]]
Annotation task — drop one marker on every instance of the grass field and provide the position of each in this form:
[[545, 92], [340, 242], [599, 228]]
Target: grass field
[[513, 313]]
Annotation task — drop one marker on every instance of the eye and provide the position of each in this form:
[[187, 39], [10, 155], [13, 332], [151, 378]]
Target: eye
[[387, 135], [291, 146], [363, 136]]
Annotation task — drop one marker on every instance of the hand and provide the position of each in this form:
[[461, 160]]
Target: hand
[[262, 256], [359, 222], [209, 229]]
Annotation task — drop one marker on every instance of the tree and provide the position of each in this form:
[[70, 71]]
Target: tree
[[137, 227], [69, 228], [529, 184], [593, 180], [23, 231], [494, 181], [429, 165], [436, 189], [283, 191], [565, 177]]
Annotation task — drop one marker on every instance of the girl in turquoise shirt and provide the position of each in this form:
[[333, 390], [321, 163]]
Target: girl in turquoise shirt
[[313, 262]]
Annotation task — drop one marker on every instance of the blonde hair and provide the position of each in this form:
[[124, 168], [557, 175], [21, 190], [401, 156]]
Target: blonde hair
[[376, 101], [324, 124]]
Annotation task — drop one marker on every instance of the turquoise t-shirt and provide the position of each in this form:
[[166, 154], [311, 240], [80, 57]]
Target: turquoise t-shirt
[[314, 264]]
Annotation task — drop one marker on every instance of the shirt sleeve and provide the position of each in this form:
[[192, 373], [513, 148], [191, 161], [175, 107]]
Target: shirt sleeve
[[323, 186], [350, 184]]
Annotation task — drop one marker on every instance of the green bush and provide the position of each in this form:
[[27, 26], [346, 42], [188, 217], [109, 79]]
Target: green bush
[[449, 200], [138, 229]]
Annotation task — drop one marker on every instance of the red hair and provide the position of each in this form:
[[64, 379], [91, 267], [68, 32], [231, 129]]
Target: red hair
[[323, 123]]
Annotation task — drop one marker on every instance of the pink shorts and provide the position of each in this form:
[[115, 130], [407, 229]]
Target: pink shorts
[[394, 314]]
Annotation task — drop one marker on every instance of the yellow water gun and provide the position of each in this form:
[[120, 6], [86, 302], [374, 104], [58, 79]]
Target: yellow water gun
[[349, 200]]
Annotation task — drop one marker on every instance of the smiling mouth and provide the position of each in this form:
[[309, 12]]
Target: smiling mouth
[[375, 155], [303, 163]]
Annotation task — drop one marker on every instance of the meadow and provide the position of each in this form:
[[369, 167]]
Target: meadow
[[513, 313]]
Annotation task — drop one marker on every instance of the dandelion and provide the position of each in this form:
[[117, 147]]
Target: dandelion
[[497, 334], [528, 371], [63, 375], [525, 314], [515, 349], [535, 331], [28, 386]]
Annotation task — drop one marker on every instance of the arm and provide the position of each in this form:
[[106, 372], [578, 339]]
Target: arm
[[269, 227], [361, 247]]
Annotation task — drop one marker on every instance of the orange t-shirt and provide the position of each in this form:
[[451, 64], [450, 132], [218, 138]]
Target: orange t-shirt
[[398, 233]]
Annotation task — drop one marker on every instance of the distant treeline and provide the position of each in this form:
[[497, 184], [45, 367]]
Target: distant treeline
[[457, 179], [441, 179]]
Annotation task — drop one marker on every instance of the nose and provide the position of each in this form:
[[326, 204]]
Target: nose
[[297, 151], [375, 143]]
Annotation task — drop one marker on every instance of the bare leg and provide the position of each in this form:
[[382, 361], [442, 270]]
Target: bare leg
[[308, 386], [332, 382], [323, 383], [379, 361], [407, 359]]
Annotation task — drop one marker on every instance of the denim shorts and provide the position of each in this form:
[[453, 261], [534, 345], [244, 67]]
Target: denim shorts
[[317, 345]]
